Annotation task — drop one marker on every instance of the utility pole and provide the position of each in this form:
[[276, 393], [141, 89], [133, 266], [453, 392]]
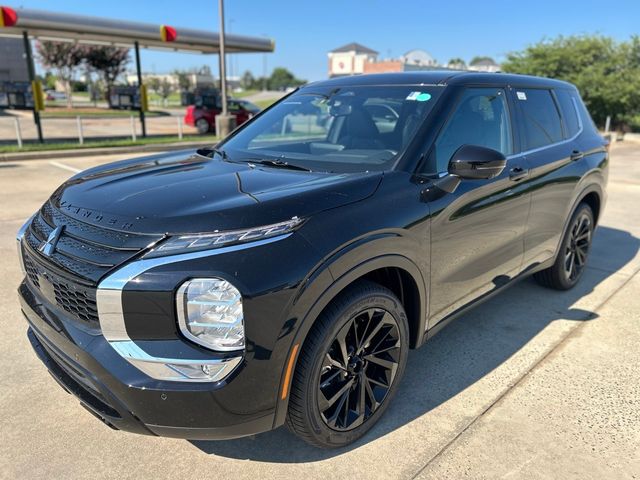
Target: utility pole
[[225, 123]]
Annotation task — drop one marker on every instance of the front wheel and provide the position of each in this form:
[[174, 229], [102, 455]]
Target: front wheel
[[574, 251], [349, 367]]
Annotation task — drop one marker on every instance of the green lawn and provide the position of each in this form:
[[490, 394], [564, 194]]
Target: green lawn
[[172, 98], [244, 93], [266, 103], [33, 147]]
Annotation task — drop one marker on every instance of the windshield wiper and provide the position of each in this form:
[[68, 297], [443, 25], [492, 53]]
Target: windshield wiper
[[278, 164]]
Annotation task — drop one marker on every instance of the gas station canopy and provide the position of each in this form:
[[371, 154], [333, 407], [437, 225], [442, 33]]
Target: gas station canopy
[[104, 31]]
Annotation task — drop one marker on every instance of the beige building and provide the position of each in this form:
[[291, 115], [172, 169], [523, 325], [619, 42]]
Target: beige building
[[356, 59], [350, 59]]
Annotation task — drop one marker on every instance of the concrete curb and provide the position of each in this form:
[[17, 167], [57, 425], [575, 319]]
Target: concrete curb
[[88, 152], [632, 137]]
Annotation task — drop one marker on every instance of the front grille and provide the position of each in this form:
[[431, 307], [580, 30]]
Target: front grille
[[83, 255], [73, 298]]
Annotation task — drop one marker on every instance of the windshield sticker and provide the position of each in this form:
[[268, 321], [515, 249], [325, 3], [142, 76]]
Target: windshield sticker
[[521, 95], [419, 96]]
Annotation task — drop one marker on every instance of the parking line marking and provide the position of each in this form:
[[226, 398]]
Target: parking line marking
[[64, 167]]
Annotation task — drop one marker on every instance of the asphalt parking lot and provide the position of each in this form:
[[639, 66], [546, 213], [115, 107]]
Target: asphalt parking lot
[[532, 384]]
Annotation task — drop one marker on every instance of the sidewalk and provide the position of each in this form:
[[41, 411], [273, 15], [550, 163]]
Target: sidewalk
[[575, 414]]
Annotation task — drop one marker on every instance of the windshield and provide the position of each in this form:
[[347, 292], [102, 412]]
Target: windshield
[[345, 129]]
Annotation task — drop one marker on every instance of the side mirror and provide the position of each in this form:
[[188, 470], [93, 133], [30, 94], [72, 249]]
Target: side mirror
[[474, 162]]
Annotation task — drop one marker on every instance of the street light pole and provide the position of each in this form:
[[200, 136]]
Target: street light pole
[[225, 123], [264, 69]]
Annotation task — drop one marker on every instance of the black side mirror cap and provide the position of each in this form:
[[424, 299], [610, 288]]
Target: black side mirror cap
[[474, 162]]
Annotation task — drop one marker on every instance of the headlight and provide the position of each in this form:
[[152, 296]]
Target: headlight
[[206, 241], [210, 313]]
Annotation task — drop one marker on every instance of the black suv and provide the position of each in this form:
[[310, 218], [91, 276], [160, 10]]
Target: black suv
[[283, 276]]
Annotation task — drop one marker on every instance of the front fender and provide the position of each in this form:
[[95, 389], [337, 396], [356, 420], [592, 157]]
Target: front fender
[[339, 271]]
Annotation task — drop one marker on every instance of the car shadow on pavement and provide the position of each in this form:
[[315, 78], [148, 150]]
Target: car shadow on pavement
[[464, 352]]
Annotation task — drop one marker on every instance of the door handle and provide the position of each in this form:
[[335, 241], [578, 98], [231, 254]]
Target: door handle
[[518, 173], [576, 155]]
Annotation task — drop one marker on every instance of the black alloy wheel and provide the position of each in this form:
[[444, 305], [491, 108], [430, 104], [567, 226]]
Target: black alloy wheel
[[349, 366], [573, 253], [577, 248], [358, 369]]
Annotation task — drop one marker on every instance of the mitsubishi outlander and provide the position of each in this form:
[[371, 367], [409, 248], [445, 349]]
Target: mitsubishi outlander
[[283, 275]]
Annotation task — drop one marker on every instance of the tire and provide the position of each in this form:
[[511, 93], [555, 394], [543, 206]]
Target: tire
[[202, 124], [572, 257], [369, 324]]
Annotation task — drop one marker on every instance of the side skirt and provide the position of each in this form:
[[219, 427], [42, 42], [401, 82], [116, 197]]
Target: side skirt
[[429, 334]]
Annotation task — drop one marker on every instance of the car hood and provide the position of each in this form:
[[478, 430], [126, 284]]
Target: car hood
[[184, 192]]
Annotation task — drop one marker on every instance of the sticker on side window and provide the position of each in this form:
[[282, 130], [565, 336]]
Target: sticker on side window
[[419, 96], [521, 95]]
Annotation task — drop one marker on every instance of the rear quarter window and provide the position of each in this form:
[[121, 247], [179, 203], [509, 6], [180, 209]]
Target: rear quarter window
[[541, 123], [568, 102]]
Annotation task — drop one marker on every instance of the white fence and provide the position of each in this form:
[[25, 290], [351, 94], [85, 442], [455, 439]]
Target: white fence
[[20, 128]]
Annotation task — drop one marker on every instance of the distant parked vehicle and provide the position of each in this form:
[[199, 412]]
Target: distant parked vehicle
[[124, 97], [202, 115], [55, 95], [16, 95]]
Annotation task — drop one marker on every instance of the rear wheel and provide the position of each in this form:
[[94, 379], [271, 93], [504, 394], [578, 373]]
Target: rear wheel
[[349, 367], [574, 251], [202, 124]]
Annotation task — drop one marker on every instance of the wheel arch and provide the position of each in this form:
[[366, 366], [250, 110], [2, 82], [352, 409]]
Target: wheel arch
[[593, 196], [396, 272]]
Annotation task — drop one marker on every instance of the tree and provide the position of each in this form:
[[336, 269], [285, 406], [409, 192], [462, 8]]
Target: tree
[[63, 57], [153, 83], [162, 87], [457, 62], [50, 81], [165, 89], [109, 62], [281, 79], [182, 76], [606, 72], [478, 59], [248, 80]]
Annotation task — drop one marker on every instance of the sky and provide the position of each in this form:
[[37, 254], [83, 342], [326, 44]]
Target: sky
[[304, 31]]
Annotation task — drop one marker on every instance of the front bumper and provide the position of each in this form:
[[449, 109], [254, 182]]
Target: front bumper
[[124, 398]]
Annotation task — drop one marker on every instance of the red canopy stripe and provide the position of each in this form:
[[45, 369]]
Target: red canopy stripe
[[8, 17]]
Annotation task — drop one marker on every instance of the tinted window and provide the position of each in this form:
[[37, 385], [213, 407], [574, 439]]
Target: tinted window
[[569, 113], [541, 124], [480, 118], [352, 128], [385, 116]]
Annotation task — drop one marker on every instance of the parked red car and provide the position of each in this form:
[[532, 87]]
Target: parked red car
[[203, 115]]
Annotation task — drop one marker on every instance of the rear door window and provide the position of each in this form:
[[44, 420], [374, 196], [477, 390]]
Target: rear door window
[[541, 125], [569, 112]]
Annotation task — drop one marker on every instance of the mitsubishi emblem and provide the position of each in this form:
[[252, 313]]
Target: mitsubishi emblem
[[48, 247]]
